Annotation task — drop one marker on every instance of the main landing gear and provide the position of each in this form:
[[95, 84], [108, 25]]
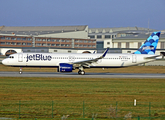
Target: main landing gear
[[81, 71]]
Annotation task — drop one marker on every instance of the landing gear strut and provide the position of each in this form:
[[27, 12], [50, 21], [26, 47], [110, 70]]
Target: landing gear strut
[[81, 71], [20, 71]]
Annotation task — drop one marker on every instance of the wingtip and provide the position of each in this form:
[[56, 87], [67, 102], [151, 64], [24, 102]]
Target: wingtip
[[105, 52]]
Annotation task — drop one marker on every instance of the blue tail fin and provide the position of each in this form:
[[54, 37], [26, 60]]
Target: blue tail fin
[[149, 45]]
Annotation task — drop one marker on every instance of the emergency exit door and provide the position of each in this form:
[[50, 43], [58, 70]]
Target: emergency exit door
[[134, 59]]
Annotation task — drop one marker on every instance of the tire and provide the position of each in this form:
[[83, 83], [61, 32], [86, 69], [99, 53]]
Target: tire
[[81, 72]]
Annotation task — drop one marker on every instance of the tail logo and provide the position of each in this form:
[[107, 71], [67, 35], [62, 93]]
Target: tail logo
[[148, 48], [149, 45]]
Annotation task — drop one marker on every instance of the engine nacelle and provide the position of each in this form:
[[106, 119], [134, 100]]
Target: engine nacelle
[[65, 67]]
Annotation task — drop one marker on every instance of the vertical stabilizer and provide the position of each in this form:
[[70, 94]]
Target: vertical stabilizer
[[149, 46]]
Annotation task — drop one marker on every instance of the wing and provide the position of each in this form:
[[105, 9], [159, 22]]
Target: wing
[[86, 63]]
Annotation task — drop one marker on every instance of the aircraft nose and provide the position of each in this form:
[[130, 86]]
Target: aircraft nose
[[4, 62]]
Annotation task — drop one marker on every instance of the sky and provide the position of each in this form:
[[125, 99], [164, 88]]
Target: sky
[[94, 13]]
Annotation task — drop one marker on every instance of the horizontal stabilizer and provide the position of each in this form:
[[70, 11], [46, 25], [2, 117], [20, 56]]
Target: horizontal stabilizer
[[152, 57]]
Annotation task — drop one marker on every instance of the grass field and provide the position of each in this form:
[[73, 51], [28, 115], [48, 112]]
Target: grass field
[[68, 95], [85, 89], [82, 97]]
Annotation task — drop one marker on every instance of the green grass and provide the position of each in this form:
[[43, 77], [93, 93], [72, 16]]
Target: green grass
[[73, 95], [82, 89]]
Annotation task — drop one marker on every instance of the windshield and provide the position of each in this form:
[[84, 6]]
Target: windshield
[[11, 56]]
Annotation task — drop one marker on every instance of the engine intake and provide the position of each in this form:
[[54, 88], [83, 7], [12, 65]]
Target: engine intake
[[65, 67]]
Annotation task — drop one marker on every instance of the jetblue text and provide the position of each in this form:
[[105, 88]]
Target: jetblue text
[[38, 57]]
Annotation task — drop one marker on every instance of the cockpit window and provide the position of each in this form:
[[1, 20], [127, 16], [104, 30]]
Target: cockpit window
[[11, 57]]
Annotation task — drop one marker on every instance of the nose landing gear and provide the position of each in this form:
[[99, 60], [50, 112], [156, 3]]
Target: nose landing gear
[[20, 71]]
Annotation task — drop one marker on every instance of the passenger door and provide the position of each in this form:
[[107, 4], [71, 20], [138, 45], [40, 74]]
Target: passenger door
[[134, 60], [20, 57]]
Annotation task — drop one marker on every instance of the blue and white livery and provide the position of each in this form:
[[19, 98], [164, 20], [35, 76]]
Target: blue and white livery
[[149, 46], [69, 62]]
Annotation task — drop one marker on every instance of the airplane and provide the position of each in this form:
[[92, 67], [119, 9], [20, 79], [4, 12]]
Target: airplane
[[69, 62]]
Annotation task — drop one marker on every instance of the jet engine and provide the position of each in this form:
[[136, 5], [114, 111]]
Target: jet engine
[[65, 67]]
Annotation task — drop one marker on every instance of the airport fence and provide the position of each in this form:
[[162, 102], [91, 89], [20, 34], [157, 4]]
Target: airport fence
[[82, 110]]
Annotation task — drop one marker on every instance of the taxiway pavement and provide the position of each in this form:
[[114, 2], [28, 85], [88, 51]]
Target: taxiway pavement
[[75, 75]]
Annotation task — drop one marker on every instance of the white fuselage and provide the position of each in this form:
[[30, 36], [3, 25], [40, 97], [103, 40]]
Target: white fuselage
[[53, 60]]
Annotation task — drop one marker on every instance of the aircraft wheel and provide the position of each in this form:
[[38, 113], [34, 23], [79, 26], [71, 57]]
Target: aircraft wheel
[[81, 72], [20, 71]]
